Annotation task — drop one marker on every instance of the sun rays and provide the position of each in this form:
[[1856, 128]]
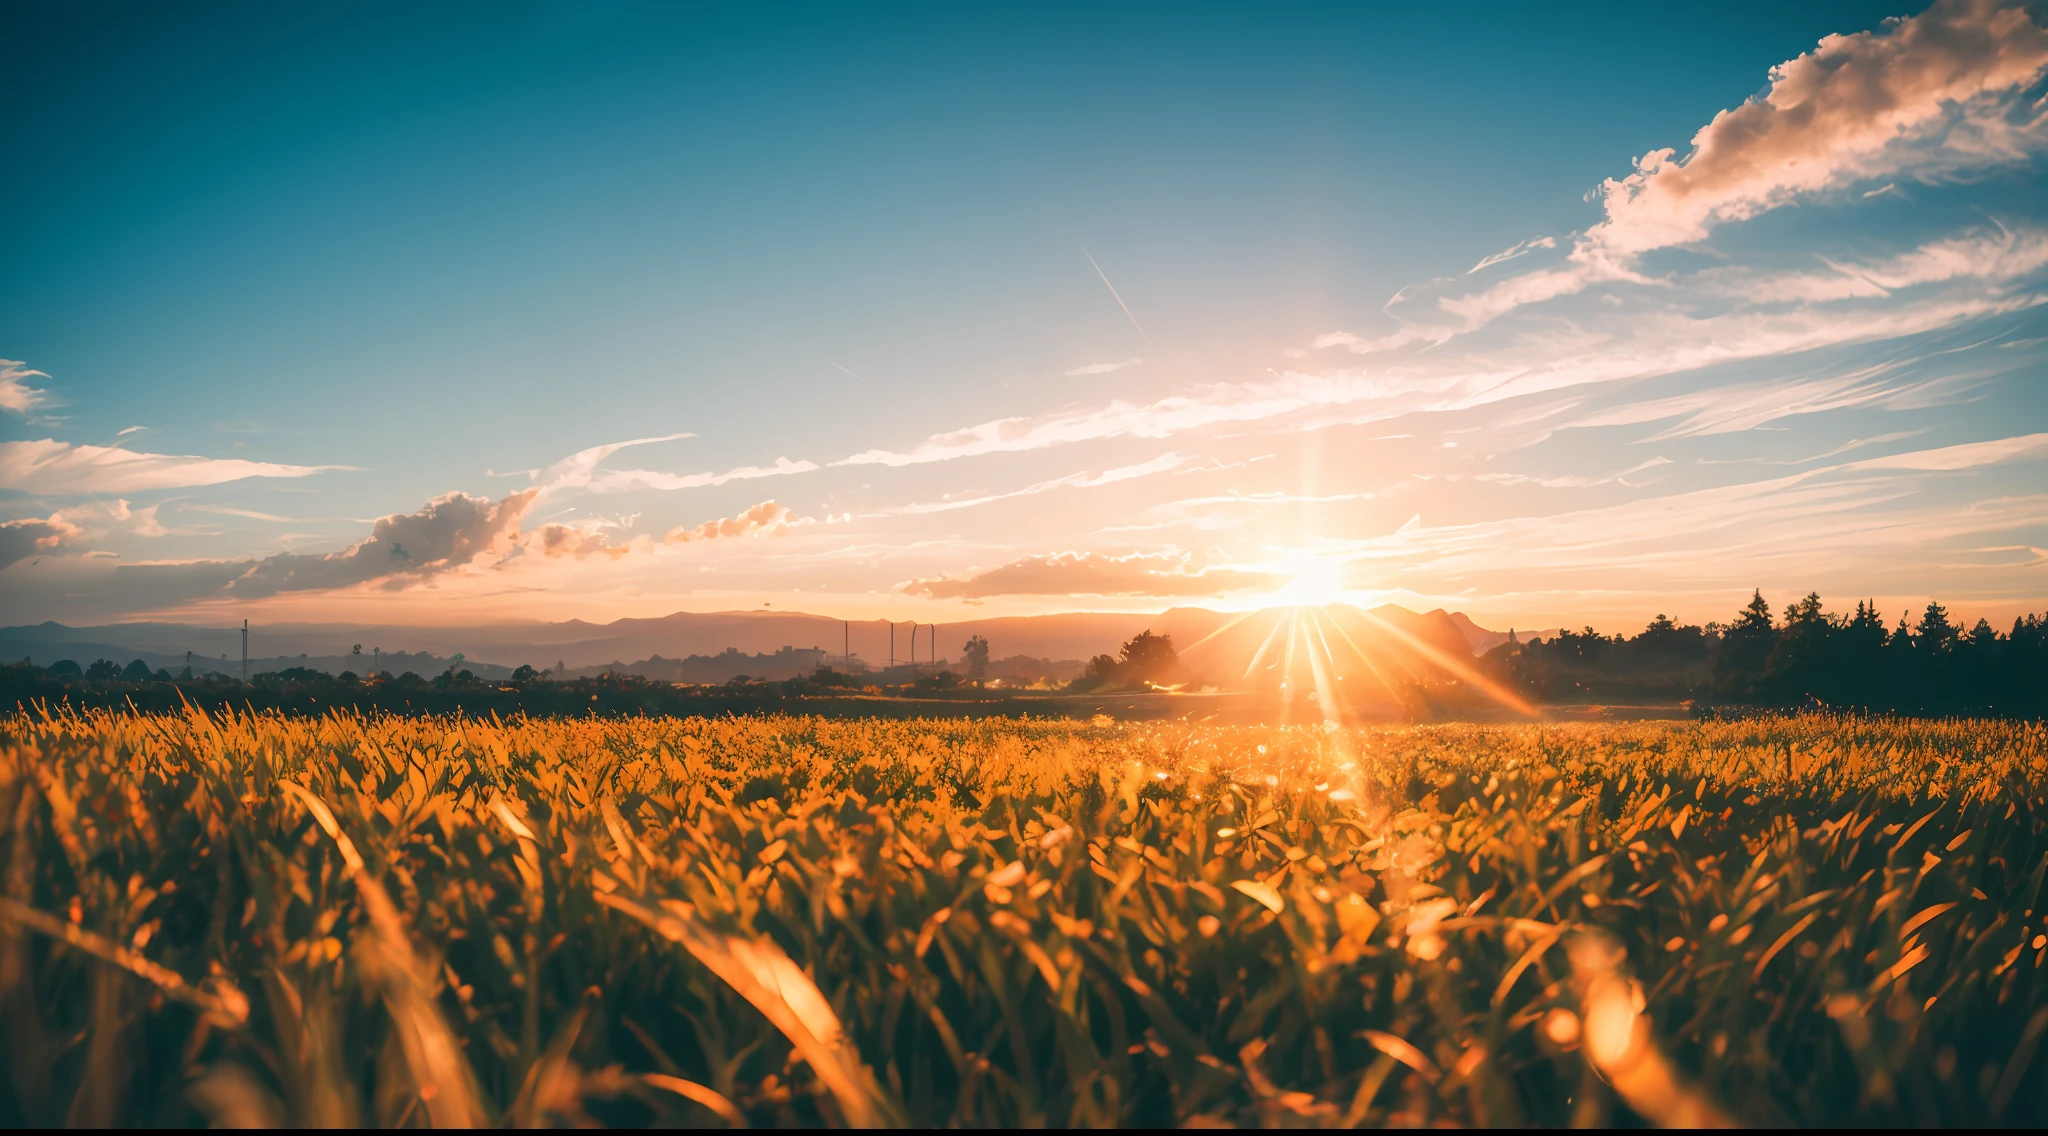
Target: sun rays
[[1335, 663]]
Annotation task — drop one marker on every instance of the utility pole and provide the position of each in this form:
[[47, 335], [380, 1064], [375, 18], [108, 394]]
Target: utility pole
[[245, 651], [846, 642], [892, 642]]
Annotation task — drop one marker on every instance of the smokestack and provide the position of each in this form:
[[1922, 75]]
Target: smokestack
[[245, 651]]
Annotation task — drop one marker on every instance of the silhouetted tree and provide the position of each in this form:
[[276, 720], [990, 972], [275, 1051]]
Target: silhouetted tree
[[103, 670], [136, 671], [1149, 658], [975, 656], [1934, 632], [1745, 649]]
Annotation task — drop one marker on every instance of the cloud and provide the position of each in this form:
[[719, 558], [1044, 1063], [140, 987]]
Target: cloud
[[764, 519], [20, 540], [579, 469], [1576, 481], [1862, 521], [570, 540], [1160, 464], [1090, 574], [16, 396], [2000, 254], [1969, 455], [1845, 447], [1166, 417], [450, 533], [1927, 95], [1934, 97], [99, 518], [1105, 368], [1507, 254], [62, 469], [624, 480]]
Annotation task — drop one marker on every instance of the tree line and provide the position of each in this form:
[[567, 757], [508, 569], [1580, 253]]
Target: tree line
[[1809, 657]]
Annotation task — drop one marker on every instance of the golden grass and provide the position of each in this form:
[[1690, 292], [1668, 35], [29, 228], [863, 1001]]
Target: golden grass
[[805, 921]]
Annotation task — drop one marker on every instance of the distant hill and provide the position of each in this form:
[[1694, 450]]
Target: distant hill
[[491, 650], [1481, 640]]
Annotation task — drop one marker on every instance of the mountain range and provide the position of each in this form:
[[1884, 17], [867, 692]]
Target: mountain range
[[494, 649]]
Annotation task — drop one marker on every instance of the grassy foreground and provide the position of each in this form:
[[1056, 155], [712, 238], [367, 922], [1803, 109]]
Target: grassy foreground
[[805, 921]]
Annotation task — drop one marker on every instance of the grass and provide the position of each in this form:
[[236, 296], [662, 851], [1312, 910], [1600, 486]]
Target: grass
[[794, 921]]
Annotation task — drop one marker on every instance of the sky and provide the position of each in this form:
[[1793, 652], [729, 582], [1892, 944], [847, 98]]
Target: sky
[[1553, 314]]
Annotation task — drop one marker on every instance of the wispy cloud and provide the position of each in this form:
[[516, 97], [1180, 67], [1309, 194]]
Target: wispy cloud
[[1160, 464], [578, 470], [1105, 368], [1865, 520], [1838, 451], [16, 395], [1576, 481], [54, 468], [625, 480]]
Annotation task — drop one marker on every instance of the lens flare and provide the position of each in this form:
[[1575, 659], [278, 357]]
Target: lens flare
[[1316, 582]]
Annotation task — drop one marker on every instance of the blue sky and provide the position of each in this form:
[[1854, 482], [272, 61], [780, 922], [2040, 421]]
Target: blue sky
[[1038, 308]]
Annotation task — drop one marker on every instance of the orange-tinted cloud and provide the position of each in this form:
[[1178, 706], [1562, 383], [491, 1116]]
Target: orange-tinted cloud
[[1924, 92], [568, 540], [763, 519], [20, 540]]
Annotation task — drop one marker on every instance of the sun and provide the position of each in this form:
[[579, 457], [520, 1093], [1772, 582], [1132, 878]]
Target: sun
[[1316, 582]]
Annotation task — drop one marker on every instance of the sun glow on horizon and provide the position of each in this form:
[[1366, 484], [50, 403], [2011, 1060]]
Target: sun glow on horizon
[[1315, 582]]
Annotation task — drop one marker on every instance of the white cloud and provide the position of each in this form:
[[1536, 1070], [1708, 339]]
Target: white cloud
[[60, 468], [1105, 368], [626, 480], [578, 470], [16, 396], [1969, 455], [1575, 481], [1160, 464], [1999, 255]]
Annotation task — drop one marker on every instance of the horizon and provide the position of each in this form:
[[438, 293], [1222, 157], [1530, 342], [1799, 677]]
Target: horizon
[[471, 316]]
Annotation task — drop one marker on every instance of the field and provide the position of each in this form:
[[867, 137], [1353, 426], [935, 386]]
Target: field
[[796, 921]]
